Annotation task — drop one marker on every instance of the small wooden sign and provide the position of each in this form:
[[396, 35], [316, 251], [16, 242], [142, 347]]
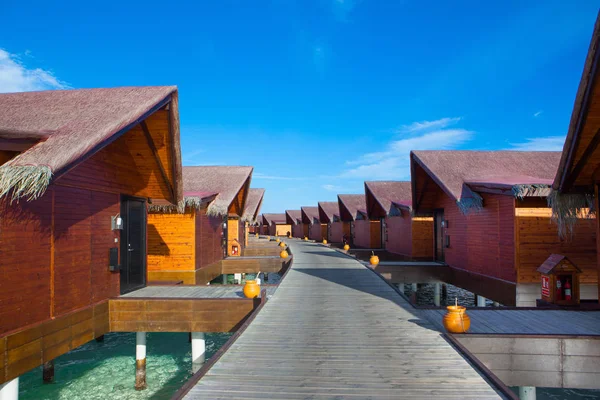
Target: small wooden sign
[[545, 286]]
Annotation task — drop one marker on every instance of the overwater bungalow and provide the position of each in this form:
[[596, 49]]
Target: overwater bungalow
[[491, 221], [250, 216], [277, 224], [294, 219], [187, 240], [329, 214], [316, 230], [364, 233], [576, 182], [402, 233], [78, 169]]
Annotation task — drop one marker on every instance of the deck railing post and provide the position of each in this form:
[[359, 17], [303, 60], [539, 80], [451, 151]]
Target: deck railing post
[[48, 372], [140, 360], [436, 294], [480, 301], [527, 392], [10, 390], [198, 350]]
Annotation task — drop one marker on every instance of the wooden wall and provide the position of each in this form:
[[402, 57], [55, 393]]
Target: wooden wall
[[362, 234], [282, 230], [422, 238], [172, 241], [399, 235], [375, 233], [54, 251], [336, 232], [297, 231], [537, 237], [317, 232], [209, 236], [481, 242]]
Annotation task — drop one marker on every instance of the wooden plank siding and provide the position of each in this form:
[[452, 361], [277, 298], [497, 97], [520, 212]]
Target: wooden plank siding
[[336, 232], [30, 347], [172, 241], [410, 236], [481, 242], [179, 315], [318, 232], [54, 251], [537, 237]]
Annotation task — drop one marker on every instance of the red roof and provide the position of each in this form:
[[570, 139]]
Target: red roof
[[328, 210], [309, 214], [381, 194], [349, 205], [293, 216]]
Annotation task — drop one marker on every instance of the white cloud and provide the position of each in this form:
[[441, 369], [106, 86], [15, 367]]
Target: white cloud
[[393, 162], [426, 125], [16, 77], [537, 114], [550, 143], [332, 188]]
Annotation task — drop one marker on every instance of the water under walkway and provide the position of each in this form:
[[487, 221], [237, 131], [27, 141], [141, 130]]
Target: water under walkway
[[336, 330]]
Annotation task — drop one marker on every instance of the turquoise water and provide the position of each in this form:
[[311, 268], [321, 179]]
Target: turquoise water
[[107, 370], [424, 296], [563, 394]]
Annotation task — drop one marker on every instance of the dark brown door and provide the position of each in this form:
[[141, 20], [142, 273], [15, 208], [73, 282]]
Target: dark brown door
[[133, 244], [438, 226]]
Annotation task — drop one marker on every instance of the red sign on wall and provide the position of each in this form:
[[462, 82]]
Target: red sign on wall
[[545, 286]]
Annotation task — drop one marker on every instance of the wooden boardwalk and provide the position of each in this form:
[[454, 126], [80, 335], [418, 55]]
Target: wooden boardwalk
[[194, 292], [335, 330], [533, 322]]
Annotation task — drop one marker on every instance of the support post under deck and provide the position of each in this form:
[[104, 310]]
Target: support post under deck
[[140, 361], [10, 390]]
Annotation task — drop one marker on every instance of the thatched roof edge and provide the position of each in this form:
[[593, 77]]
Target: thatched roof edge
[[29, 181], [568, 208]]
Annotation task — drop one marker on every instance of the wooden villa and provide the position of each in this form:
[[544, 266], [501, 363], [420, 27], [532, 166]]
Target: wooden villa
[[329, 213], [577, 179], [316, 230], [492, 224], [277, 224], [78, 169], [363, 232], [186, 240], [401, 232], [250, 216], [294, 219]]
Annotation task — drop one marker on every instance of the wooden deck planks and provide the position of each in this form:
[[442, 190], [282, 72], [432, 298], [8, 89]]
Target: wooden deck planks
[[533, 322], [194, 292], [335, 330]]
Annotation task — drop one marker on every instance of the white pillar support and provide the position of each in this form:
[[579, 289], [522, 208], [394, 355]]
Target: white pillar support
[[527, 392], [140, 360], [238, 278], [10, 390], [496, 304], [224, 277], [436, 294], [198, 350], [414, 287], [480, 301]]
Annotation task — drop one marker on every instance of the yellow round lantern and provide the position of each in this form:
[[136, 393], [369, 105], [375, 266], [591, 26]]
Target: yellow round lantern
[[374, 260], [281, 244], [324, 241], [346, 247], [251, 289], [278, 240], [305, 238], [284, 254]]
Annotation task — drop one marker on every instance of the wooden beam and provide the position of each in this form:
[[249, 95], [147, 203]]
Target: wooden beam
[[423, 189], [583, 160], [157, 158], [19, 145]]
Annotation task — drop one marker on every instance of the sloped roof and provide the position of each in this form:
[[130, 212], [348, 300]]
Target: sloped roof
[[253, 203], [582, 131], [327, 210], [293, 216], [552, 262], [383, 193], [454, 170], [350, 204], [309, 214], [227, 181], [278, 219], [65, 127]]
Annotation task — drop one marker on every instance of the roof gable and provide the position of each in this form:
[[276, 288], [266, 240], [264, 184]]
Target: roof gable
[[227, 181], [309, 214], [293, 217], [253, 203], [380, 196], [349, 205], [328, 210], [66, 127]]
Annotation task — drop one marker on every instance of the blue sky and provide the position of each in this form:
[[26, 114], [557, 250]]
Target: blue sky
[[319, 95]]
